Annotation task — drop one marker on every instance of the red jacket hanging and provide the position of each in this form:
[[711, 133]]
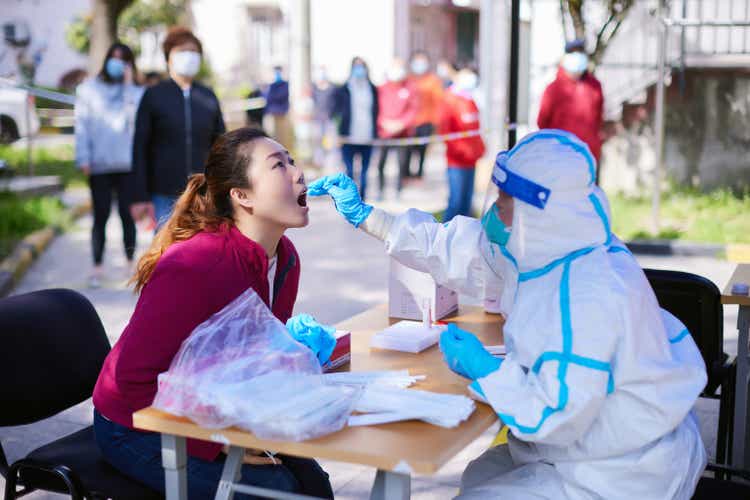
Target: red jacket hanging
[[460, 114], [575, 106]]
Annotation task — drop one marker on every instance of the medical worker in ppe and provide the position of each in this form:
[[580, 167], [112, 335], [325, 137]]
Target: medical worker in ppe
[[598, 383]]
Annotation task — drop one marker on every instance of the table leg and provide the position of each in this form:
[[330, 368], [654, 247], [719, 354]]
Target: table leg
[[390, 485], [174, 460], [231, 473], [740, 440]]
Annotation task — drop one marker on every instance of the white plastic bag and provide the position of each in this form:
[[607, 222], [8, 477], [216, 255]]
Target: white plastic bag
[[242, 367]]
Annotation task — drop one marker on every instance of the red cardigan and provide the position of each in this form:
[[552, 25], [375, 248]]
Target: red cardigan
[[460, 114], [575, 106], [192, 280]]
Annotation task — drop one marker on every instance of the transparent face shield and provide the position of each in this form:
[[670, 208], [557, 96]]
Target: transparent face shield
[[505, 191]]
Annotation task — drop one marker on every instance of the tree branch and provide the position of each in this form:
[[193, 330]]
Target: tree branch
[[618, 12]]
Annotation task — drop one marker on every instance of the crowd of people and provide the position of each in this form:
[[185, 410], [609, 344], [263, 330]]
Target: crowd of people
[[222, 201], [416, 101]]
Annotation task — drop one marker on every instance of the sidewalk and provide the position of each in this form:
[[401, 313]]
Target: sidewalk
[[344, 272]]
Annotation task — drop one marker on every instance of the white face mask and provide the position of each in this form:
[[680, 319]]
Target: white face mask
[[575, 63], [466, 81], [443, 72], [419, 66], [395, 74], [186, 63]]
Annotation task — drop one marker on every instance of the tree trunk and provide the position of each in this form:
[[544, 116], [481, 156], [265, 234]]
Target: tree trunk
[[575, 9], [103, 30], [563, 14]]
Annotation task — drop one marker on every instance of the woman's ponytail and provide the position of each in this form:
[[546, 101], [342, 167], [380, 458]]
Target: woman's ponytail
[[193, 212]]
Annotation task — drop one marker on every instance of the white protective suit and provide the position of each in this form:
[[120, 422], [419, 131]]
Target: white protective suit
[[598, 384]]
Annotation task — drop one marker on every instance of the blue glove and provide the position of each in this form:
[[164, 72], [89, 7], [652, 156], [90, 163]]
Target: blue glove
[[465, 355], [345, 195], [319, 338]]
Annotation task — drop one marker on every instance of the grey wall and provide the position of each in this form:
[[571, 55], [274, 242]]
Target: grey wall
[[707, 137]]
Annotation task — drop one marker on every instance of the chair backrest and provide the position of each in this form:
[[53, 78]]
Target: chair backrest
[[696, 301], [52, 347]]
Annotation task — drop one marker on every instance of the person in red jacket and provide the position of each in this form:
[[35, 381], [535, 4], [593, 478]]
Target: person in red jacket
[[460, 114], [225, 235], [398, 101], [574, 101]]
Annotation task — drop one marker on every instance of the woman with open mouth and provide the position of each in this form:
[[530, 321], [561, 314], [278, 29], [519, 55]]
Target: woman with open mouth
[[225, 235]]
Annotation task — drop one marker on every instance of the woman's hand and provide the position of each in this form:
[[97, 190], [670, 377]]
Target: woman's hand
[[320, 339], [345, 196]]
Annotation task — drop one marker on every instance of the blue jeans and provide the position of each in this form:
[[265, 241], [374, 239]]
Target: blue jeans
[[138, 455], [163, 205], [348, 151], [461, 191]]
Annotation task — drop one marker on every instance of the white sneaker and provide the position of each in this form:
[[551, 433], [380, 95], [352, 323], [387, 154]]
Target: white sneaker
[[94, 281]]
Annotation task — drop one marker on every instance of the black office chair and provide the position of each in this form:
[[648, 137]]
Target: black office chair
[[52, 346], [696, 301]]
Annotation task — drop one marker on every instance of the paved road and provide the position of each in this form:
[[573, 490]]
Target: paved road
[[344, 272]]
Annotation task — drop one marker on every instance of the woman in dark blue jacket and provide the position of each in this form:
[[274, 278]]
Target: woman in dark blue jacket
[[177, 122], [356, 107]]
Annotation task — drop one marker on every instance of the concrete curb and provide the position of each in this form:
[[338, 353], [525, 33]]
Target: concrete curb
[[735, 252], [13, 267]]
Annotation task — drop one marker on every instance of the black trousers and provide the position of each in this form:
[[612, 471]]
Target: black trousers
[[102, 186], [403, 165], [423, 130]]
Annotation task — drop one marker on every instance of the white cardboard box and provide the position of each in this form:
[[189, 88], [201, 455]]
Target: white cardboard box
[[407, 290]]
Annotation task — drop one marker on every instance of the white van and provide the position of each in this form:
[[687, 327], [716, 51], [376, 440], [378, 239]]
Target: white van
[[13, 123]]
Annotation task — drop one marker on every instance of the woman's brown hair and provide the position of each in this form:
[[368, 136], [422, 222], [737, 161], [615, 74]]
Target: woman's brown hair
[[177, 35], [205, 204]]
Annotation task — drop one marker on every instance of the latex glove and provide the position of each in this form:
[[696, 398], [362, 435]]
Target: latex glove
[[319, 338], [345, 195], [465, 354]]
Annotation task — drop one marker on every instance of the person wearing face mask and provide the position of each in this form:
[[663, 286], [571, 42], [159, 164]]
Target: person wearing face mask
[[356, 108], [446, 71], [399, 104], [277, 107], [574, 101], [323, 94], [104, 126], [598, 384], [460, 114], [177, 122], [225, 237], [429, 90]]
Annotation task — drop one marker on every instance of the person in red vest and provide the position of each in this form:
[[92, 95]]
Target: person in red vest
[[460, 114], [574, 101]]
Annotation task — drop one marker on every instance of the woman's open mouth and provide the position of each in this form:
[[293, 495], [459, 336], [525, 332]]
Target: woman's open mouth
[[302, 199]]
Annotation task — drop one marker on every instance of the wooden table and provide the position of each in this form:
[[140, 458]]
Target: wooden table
[[397, 450], [741, 440]]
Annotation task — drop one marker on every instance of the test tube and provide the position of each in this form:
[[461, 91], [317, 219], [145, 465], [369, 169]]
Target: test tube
[[427, 313]]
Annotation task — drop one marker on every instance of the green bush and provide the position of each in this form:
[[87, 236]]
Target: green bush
[[47, 161], [716, 217], [21, 216]]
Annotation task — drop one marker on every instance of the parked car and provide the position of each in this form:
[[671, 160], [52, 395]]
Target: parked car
[[13, 124]]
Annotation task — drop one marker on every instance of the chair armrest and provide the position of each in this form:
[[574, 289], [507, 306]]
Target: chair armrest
[[744, 474], [3, 462], [71, 480]]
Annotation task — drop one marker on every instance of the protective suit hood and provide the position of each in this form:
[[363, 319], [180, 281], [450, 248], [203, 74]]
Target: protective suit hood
[[551, 175]]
